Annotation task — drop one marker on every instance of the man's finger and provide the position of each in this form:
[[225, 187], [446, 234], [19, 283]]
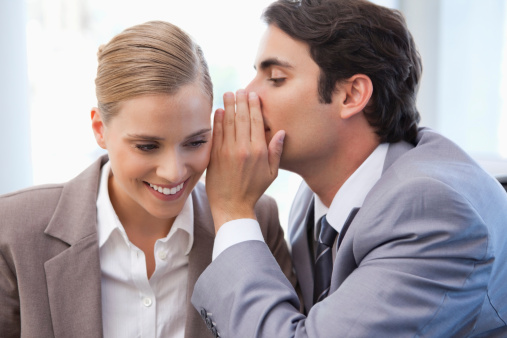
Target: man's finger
[[242, 118], [218, 131], [256, 120], [275, 149], [229, 116]]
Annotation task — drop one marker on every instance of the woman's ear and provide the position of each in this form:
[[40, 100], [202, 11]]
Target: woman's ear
[[98, 127], [357, 93]]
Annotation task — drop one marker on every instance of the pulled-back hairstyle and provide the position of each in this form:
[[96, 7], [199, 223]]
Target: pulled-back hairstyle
[[348, 37], [152, 58]]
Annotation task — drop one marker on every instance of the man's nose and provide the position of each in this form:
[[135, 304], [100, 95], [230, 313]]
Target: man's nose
[[252, 87]]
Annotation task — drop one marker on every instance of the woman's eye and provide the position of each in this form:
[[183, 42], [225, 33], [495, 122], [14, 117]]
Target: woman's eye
[[197, 144], [146, 147]]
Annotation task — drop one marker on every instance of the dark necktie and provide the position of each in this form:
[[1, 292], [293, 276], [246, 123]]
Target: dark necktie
[[323, 261]]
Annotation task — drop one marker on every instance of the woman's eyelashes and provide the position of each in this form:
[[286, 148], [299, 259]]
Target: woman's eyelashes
[[196, 144], [146, 147], [150, 147]]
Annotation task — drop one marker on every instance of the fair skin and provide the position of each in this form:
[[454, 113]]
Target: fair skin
[[159, 146], [324, 143]]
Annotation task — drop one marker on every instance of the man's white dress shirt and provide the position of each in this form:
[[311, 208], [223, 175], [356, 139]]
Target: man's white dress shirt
[[132, 305], [351, 195]]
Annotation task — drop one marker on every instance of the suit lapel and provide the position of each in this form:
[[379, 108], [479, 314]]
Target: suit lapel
[[73, 276], [393, 153], [346, 225], [199, 259], [301, 257], [73, 280], [345, 262]]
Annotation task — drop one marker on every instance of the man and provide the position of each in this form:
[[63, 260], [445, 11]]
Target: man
[[413, 238]]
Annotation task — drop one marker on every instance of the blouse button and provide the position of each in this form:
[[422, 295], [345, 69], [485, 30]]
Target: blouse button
[[147, 302]]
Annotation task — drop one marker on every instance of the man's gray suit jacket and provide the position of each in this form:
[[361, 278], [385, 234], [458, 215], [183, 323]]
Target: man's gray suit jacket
[[425, 256], [49, 258]]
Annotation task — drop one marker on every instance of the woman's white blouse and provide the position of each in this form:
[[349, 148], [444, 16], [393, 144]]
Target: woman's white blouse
[[132, 305]]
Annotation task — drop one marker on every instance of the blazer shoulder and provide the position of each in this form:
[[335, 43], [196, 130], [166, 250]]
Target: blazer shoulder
[[203, 219], [27, 211], [30, 200], [265, 201], [266, 207], [200, 202], [199, 194], [29, 193]]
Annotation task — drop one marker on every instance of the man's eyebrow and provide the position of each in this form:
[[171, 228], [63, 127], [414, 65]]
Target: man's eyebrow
[[274, 62]]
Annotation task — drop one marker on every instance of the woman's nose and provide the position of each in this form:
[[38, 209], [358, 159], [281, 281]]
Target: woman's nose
[[172, 168]]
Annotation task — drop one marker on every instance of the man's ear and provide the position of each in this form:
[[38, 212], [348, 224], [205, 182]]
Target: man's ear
[[357, 92], [98, 128]]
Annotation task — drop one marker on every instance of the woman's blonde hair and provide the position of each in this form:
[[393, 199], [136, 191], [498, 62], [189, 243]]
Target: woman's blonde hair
[[152, 58]]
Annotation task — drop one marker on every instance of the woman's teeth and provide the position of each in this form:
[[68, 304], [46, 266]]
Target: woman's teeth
[[167, 191]]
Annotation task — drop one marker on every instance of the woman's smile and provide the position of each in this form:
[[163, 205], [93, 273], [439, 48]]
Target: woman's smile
[[167, 193]]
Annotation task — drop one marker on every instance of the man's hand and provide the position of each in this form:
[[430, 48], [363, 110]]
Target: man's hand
[[242, 166]]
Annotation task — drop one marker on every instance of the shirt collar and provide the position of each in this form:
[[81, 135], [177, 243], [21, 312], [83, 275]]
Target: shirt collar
[[108, 222], [185, 222], [320, 210], [353, 192]]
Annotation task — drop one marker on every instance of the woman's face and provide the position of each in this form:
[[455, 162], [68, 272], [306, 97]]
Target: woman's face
[[159, 146]]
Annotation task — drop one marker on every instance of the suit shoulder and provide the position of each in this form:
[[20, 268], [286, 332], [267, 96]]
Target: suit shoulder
[[28, 209], [266, 200], [266, 211], [266, 207], [199, 197], [44, 194]]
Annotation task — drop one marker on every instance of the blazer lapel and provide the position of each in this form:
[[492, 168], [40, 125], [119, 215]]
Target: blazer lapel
[[301, 257], [73, 281], [199, 259], [73, 276], [344, 262], [346, 225], [393, 153]]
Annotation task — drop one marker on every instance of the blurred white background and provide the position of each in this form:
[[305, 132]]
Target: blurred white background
[[48, 65]]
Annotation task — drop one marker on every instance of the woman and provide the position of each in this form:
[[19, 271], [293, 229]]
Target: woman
[[117, 250]]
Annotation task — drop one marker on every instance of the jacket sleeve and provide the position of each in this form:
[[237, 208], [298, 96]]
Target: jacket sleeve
[[10, 325], [267, 215], [423, 265]]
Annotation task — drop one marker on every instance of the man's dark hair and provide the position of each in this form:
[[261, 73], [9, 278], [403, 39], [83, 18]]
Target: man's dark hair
[[348, 37]]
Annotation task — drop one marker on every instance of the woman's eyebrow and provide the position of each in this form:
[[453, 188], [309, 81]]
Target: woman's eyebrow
[[199, 132], [145, 137], [158, 138]]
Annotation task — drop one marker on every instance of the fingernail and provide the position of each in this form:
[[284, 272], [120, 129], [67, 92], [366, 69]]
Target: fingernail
[[240, 92], [252, 95]]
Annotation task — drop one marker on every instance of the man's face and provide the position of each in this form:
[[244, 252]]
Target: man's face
[[287, 84]]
